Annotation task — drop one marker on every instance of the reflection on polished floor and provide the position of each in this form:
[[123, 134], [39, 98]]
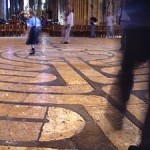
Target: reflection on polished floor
[[60, 97]]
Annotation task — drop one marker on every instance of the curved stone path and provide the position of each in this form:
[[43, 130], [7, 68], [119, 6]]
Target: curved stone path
[[60, 98]]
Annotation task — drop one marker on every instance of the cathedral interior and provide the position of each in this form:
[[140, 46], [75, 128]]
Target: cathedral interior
[[61, 98]]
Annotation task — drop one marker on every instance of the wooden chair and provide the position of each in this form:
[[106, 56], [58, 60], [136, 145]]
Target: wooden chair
[[85, 31], [57, 30], [2, 29], [103, 29], [22, 29], [117, 32], [51, 30], [99, 31], [16, 29], [46, 28], [88, 31], [9, 29], [77, 30]]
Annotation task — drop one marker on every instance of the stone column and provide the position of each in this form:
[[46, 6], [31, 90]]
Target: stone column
[[99, 11], [116, 7], [95, 8], [1, 10], [80, 11], [109, 6], [11, 7], [21, 5], [85, 13], [31, 4], [89, 10], [6, 11]]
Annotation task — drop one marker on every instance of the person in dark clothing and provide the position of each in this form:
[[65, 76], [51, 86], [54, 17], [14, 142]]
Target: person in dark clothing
[[122, 21], [35, 27], [93, 22], [137, 51]]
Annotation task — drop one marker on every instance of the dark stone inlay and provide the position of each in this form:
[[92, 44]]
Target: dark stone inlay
[[52, 70], [98, 91], [90, 138], [129, 115], [41, 129], [23, 119], [142, 94]]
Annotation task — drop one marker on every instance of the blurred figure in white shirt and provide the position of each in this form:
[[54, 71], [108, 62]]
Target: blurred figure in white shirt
[[110, 25], [68, 25]]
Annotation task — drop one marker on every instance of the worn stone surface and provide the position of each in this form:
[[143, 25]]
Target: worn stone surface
[[61, 98]]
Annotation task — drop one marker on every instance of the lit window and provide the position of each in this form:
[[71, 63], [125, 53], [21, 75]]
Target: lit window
[[26, 4], [8, 4]]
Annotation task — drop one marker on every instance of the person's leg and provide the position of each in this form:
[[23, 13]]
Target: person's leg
[[126, 76], [32, 49], [34, 40], [145, 139], [69, 31], [132, 147], [125, 81], [63, 33], [67, 35], [107, 31], [92, 30], [112, 31], [140, 40], [32, 46], [123, 39]]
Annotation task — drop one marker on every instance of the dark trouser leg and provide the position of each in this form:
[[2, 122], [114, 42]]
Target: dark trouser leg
[[125, 81], [32, 50], [123, 39], [93, 30], [145, 140]]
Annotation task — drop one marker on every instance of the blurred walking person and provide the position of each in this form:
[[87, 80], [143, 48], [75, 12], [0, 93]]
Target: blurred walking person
[[34, 30], [137, 51], [110, 25], [93, 23], [69, 22]]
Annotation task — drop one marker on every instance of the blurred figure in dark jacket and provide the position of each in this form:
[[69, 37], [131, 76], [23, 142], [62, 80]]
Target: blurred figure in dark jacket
[[93, 23], [137, 51]]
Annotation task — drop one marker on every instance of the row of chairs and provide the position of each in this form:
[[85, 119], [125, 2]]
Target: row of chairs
[[12, 29], [55, 30], [78, 30]]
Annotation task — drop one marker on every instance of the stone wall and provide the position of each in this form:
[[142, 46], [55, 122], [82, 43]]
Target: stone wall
[[83, 9]]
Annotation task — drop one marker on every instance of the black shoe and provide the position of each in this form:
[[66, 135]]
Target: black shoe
[[122, 49], [65, 42], [32, 52], [132, 147]]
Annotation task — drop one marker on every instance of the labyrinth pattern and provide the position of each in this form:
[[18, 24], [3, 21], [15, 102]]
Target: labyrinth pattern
[[60, 98]]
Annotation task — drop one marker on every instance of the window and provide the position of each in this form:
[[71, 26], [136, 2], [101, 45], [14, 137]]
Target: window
[[26, 4], [8, 4]]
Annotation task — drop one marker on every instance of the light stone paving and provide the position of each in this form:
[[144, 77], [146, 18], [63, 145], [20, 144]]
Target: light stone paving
[[61, 98]]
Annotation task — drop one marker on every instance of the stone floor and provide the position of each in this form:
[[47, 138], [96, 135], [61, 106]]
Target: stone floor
[[60, 97]]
